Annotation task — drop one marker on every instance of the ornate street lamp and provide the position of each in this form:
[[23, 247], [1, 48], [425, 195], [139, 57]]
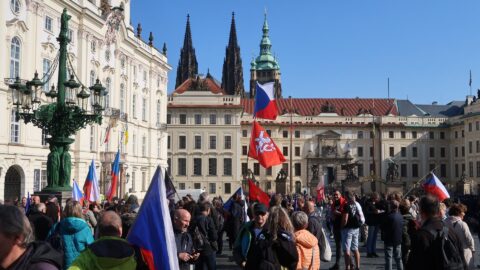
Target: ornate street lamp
[[64, 116]]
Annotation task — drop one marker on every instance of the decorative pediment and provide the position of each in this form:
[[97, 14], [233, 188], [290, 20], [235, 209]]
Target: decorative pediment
[[49, 47], [20, 24], [109, 69], [329, 134]]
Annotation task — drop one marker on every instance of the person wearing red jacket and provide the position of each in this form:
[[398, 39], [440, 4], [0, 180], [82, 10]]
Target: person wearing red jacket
[[337, 209]]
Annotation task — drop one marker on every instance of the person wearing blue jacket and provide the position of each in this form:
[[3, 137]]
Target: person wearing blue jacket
[[75, 233]]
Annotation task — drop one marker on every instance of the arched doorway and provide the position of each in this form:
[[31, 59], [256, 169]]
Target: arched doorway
[[13, 184]]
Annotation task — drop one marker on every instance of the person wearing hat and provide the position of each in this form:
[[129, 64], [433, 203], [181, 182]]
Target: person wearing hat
[[248, 233]]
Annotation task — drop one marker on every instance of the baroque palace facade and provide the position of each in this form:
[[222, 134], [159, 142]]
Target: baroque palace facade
[[371, 142], [133, 71]]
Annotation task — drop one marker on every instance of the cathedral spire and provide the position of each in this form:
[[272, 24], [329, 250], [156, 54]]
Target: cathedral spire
[[187, 64], [232, 75]]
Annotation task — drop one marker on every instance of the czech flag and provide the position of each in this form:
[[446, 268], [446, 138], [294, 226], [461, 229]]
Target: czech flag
[[256, 194], [265, 104], [90, 187], [77, 194], [152, 231], [115, 174], [434, 186], [263, 149], [228, 204]]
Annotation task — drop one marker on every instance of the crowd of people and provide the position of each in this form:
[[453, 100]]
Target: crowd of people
[[290, 232]]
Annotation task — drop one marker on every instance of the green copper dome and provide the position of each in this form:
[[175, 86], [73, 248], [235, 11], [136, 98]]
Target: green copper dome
[[265, 60]]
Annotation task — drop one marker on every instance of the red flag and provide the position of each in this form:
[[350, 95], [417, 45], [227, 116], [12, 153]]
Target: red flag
[[107, 134], [256, 194], [321, 189], [263, 149]]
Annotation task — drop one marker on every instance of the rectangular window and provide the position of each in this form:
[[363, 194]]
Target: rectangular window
[[478, 168], [213, 119], [71, 36], [414, 170], [478, 146], [463, 151], [269, 132], [169, 119], [227, 187], [297, 151], [227, 118], [134, 105], [44, 137], [268, 171], [442, 152], [133, 182], [227, 166], [414, 134], [244, 133], [256, 169], [198, 119], [183, 119], [36, 180], [403, 134], [285, 167], [46, 68], [168, 142], [144, 181], [432, 152], [182, 142], [391, 134], [228, 142], [470, 147], [456, 134], [431, 167], [298, 169], [442, 135], [14, 127], [144, 109], [456, 151], [463, 168], [198, 142], [360, 151], [144, 146], [285, 151], [371, 151], [392, 151], [92, 138], [212, 166], [182, 166], [169, 168], [470, 127], [457, 171], [197, 166], [213, 142], [431, 135], [197, 186], [134, 144], [181, 186], [297, 133], [477, 125], [403, 151], [244, 150], [244, 168], [360, 170], [48, 23], [470, 169], [360, 134], [403, 170], [285, 133], [372, 169], [212, 188]]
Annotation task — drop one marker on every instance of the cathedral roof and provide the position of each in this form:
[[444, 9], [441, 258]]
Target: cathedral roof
[[338, 106], [200, 83]]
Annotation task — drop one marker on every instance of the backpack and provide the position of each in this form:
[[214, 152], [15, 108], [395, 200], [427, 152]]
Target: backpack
[[354, 219], [199, 240], [56, 239], [445, 251]]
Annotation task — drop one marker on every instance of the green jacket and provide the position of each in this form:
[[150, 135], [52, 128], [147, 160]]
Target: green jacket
[[109, 253]]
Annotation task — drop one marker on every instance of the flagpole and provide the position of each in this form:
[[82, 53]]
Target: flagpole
[[291, 143], [416, 183]]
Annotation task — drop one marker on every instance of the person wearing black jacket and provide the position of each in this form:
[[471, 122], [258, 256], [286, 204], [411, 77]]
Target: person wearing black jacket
[[207, 228], [392, 227], [183, 240], [314, 224], [40, 222], [373, 218]]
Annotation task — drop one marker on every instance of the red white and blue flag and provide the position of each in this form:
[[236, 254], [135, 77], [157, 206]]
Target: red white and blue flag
[[152, 231], [229, 203], [115, 174], [265, 104], [77, 194], [321, 188], [434, 186], [263, 149], [90, 187]]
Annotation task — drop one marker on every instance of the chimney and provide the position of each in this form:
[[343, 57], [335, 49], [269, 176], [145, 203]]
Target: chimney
[[435, 103]]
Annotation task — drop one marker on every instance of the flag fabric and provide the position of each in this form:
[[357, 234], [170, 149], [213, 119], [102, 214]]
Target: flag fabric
[[170, 188], [321, 188], [263, 149], [256, 194], [434, 186], [228, 204], [90, 187], [115, 174], [76, 192], [125, 134], [107, 134], [265, 104], [152, 231]]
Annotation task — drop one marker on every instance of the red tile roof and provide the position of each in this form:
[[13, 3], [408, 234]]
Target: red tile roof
[[207, 83], [342, 106]]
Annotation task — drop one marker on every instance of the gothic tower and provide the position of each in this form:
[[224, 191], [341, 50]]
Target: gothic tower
[[187, 64], [265, 67], [232, 75]]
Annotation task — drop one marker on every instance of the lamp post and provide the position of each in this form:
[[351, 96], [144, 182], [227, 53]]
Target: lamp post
[[64, 116]]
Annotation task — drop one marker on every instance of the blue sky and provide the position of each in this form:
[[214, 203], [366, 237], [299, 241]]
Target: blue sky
[[331, 48]]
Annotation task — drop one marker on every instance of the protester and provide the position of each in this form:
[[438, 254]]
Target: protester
[[74, 231], [184, 242], [307, 244], [373, 218], [206, 227], [17, 252], [248, 234], [89, 216], [236, 217], [40, 221], [53, 208], [392, 227], [410, 226], [314, 223], [337, 209], [110, 251], [352, 219], [455, 220]]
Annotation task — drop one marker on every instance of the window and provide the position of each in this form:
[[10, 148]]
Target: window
[[133, 181], [48, 23], [197, 166], [478, 146], [442, 135], [168, 142], [256, 169], [92, 138], [470, 169], [107, 55], [463, 151], [36, 180], [285, 133], [108, 85], [197, 186], [213, 119], [360, 151], [93, 46], [268, 171], [297, 151], [244, 168], [414, 134], [71, 37], [181, 186], [463, 168], [244, 150], [285, 167], [392, 151], [169, 119], [182, 166], [431, 135], [414, 170], [403, 151], [227, 166], [44, 137], [134, 144], [391, 135], [144, 181], [14, 127], [478, 168], [198, 142], [463, 133], [182, 142], [360, 170], [470, 147], [244, 133], [122, 97], [198, 119], [297, 133], [269, 132], [159, 109], [298, 169], [457, 171], [134, 73], [227, 119], [432, 152], [183, 119], [144, 146], [372, 169], [212, 188], [169, 168], [403, 170], [431, 168], [371, 151], [360, 134], [213, 142], [144, 109], [470, 127], [144, 75], [15, 6], [212, 166], [456, 134], [403, 134], [228, 142], [159, 150], [15, 57], [285, 151], [442, 152], [227, 187], [46, 67], [456, 151]]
